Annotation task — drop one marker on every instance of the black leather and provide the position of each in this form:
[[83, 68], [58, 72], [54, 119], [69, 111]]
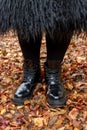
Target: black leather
[[31, 76], [55, 92]]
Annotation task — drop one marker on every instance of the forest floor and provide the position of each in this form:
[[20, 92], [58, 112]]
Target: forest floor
[[36, 114]]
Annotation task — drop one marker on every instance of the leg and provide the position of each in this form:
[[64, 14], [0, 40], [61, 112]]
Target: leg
[[31, 48], [31, 69], [56, 48]]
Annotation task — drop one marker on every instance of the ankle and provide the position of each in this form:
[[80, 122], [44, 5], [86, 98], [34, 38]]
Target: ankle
[[31, 64], [53, 64]]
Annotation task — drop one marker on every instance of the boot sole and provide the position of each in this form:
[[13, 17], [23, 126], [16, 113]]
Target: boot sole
[[57, 103], [20, 101]]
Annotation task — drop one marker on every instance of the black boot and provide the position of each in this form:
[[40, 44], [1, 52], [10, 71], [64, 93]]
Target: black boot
[[31, 76], [55, 92]]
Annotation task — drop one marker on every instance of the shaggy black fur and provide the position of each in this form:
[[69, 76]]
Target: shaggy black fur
[[33, 17]]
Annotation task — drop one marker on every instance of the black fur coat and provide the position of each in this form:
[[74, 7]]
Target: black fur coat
[[33, 17]]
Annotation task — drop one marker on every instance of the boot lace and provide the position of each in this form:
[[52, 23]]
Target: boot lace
[[28, 73], [53, 79]]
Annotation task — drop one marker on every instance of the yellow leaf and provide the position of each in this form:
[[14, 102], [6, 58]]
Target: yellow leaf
[[76, 128], [38, 121], [3, 111]]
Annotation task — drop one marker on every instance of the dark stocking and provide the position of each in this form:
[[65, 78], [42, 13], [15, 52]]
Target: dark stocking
[[57, 46], [31, 48]]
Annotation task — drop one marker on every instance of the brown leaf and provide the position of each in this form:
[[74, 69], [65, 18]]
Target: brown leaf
[[52, 120], [73, 113]]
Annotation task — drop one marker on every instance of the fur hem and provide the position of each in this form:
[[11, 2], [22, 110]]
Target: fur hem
[[33, 17]]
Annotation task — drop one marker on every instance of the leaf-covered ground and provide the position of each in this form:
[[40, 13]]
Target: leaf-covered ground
[[36, 114]]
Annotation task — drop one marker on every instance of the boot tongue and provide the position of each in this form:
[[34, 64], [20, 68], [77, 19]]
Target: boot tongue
[[53, 64]]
